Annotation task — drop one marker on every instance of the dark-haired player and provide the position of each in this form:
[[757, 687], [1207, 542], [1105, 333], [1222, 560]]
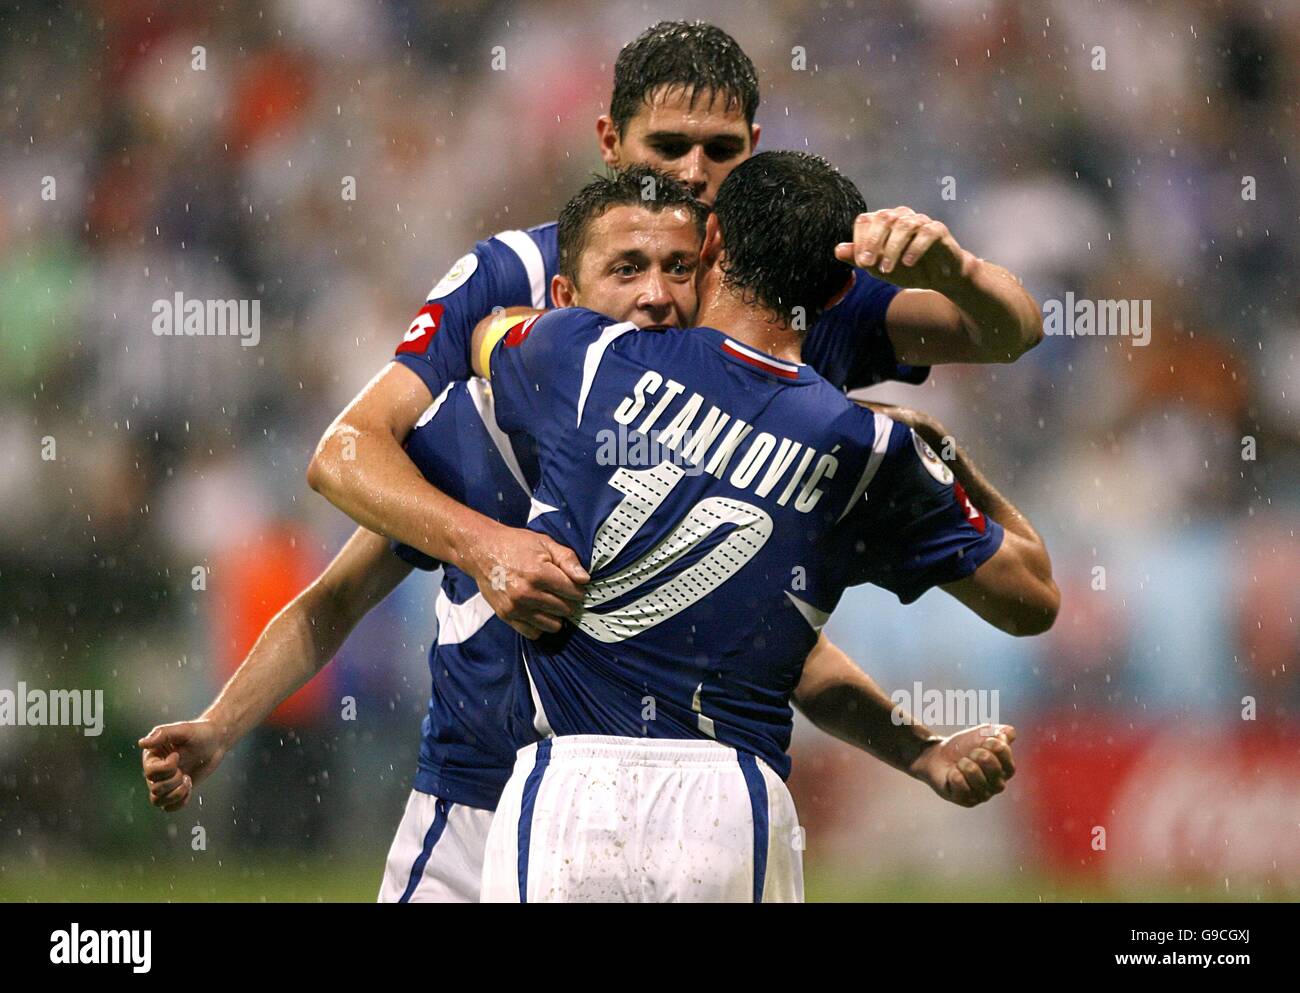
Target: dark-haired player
[[664, 710], [684, 100], [634, 260]]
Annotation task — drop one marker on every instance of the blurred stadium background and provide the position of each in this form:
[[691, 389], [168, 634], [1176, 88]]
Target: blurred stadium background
[[1124, 182]]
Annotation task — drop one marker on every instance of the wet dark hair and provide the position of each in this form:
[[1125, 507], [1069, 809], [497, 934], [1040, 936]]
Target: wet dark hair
[[781, 215], [702, 59], [637, 186]]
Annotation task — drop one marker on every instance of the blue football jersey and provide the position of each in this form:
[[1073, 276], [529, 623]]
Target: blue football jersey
[[465, 756], [466, 753], [721, 500]]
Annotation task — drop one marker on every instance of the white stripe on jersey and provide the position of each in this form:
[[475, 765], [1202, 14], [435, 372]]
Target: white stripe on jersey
[[458, 622], [531, 256], [536, 509], [596, 352], [428, 415], [816, 618], [540, 722], [883, 428], [482, 397]]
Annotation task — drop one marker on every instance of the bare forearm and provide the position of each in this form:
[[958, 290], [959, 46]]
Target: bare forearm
[[1026, 614], [842, 700], [297, 644], [303, 637], [1001, 317], [1014, 590], [862, 717], [390, 496], [955, 306]]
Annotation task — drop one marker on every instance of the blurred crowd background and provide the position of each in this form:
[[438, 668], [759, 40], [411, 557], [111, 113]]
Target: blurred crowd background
[[1165, 478]]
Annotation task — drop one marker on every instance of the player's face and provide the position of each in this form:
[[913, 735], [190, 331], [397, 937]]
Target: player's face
[[699, 145], [638, 265]]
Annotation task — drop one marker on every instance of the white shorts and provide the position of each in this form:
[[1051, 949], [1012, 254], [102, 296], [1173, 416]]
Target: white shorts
[[639, 820], [437, 855]]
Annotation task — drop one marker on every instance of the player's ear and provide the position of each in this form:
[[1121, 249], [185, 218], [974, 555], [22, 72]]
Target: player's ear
[[607, 140], [712, 247], [754, 131], [563, 292]]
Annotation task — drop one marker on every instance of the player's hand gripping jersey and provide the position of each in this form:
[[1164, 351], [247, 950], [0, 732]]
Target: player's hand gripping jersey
[[722, 500], [465, 756]]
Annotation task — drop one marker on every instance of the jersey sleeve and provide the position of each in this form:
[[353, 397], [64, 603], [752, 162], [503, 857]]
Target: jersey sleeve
[[541, 370], [414, 557], [436, 346], [915, 527], [849, 345]]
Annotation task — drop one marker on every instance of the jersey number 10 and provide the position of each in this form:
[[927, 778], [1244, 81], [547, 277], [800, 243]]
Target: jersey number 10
[[643, 491]]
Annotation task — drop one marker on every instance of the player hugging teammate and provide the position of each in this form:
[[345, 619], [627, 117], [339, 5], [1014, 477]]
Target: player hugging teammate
[[668, 582]]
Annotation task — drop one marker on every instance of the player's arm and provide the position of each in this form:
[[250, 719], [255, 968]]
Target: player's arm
[[360, 466], [298, 643], [1014, 589], [954, 306], [966, 768], [490, 330]]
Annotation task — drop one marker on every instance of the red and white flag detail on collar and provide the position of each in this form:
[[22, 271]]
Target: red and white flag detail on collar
[[786, 370]]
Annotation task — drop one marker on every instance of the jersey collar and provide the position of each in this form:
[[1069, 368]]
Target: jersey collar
[[756, 361]]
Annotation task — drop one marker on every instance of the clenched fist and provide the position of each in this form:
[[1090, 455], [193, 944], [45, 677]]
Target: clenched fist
[[971, 766], [175, 757], [907, 249]]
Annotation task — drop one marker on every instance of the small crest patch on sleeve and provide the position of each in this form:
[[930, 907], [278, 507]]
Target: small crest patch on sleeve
[[456, 276], [934, 465]]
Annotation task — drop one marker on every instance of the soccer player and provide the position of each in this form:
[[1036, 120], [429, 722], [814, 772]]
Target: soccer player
[[466, 755], [664, 709], [684, 97], [684, 100]]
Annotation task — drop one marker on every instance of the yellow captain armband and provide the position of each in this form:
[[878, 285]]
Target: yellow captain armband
[[496, 330]]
